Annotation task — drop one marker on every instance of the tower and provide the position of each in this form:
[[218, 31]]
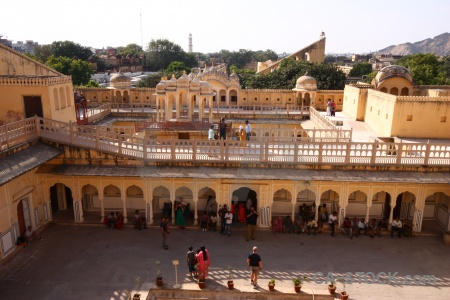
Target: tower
[[190, 42]]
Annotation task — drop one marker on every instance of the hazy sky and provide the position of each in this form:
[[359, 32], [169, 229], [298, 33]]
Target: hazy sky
[[280, 25]]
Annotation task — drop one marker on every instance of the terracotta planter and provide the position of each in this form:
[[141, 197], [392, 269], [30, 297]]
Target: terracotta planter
[[230, 284], [297, 288], [136, 296], [331, 289], [159, 282], [201, 284], [271, 287], [446, 236], [344, 296]]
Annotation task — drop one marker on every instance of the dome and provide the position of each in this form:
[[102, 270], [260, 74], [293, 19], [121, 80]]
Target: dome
[[120, 81], [195, 84], [183, 81], [391, 72], [306, 82], [172, 83], [234, 76], [161, 87], [205, 87], [120, 77]]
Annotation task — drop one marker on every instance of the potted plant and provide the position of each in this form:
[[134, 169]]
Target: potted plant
[[230, 282], [344, 295], [136, 296], [298, 283], [332, 287], [159, 279], [272, 285]]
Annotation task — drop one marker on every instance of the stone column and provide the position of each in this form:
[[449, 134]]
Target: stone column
[[418, 213], [102, 207], [124, 202], [195, 198]]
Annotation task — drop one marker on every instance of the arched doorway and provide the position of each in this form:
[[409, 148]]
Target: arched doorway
[[61, 202], [23, 216], [357, 205], [436, 212], [306, 203], [134, 201], [233, 97], [282, 203], [381, 206], [404, 206], [91, 203], [329, 203], [245, 193], [161, 201], [203, 196], [186, 197]]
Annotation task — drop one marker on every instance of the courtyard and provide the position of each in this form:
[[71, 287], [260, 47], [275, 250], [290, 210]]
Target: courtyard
[[92, 262]]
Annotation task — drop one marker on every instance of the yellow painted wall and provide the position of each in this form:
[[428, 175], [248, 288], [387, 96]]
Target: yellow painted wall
[[355, 102], [422, 117], [380, 112]]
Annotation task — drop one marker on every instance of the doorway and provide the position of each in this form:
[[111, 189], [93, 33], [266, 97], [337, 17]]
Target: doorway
[[33, 106], [23, 216]]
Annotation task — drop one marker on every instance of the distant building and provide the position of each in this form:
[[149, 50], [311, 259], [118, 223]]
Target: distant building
[[5, 42], [27, 47]]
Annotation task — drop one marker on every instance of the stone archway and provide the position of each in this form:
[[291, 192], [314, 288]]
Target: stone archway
[[357, 205], [381, 206], [61, 202], [282, 203], [161, 201], [306, 204], [90, 203], [134, 200], [436, 212], [404, 206], [330, 199]]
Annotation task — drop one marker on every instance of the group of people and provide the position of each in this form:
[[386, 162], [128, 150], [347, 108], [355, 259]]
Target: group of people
[[245, 132], [114, 220], [331, 108], [198, 262], [298, 225]]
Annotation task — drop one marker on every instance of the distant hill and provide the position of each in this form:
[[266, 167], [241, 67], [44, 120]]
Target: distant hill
[[439, 45]]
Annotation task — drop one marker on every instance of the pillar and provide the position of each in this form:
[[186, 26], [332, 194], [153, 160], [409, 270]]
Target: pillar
[[102, 207], [195, 198], [418, 213], [124, 202]]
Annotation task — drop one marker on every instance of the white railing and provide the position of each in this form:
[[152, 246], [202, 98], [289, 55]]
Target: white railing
[[263, 151], [321, 120]]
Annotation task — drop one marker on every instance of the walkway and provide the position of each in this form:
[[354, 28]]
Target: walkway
[[92, 262]]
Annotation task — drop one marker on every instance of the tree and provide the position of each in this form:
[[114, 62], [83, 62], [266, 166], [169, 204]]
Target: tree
[[425, 68], [130, 49], [43, 52], [360, 69], [150, 81], [445, 68], [92, 83], [160, 53], [177, 68], [70, 49], [80, 70]]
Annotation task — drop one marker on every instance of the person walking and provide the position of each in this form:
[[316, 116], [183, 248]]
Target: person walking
[[228, 222], [204, 261], [255, 264], [190, 260], [222, 129], [332, 221], [165, 232], [251, 223]]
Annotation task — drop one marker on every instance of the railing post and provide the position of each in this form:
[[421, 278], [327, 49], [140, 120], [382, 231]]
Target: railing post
[[399, 153], [295, 150], [427, 153], [25, 129], [319, 158], [194, 150], [172, 150], [227, 150], [97, 140], [374, 152], [119, 142], [144, 148], [37, 124]]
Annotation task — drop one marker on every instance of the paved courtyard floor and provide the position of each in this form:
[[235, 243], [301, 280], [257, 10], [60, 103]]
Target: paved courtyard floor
[[92, 262]]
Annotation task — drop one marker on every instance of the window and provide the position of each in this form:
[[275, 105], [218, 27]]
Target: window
[[135, 98], [289, 99], [106, 97], [95, 97], [409, 118], [244, 99], [267, 99], [278, 99], [387, 116], [256, 99], [443, 119], [148, 97]]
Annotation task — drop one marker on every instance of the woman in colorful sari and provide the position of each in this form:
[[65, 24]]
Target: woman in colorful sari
[[203, 262], [180, 217], [242, 217], [278, 225]]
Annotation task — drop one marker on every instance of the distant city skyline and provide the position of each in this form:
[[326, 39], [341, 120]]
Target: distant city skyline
[[283, 26]]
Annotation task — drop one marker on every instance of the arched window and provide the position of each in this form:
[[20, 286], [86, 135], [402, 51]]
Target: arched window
[[394, 91], [404, 92]]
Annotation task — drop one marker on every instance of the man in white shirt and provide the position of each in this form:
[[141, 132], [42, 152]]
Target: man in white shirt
[[396, 226], [228, 222], [332, 221], [248, 130], [312, 224]]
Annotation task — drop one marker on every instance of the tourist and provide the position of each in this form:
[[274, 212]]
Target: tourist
[[328, 107], [332, 221], [164, 232], [347, 227], [362, 226], [333, 109], [212, 222], [211, 133], [222, 213], [190, 260], [242, 217], [248, 204], [139, 221], [288, 226], [111, 221], [119, 221], [297, 225], [311, 225], [204, 221], [242, 135], [374, 228], [323, 213], [277, 226], [248, 130], [406, 228], [203, 260], [228, 221], [383, 225], [222, 129], [251, 223], [180, 216], [396, 226], [255, 264]]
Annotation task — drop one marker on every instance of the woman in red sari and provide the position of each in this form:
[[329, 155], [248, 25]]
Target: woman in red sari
[[203, 262]]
